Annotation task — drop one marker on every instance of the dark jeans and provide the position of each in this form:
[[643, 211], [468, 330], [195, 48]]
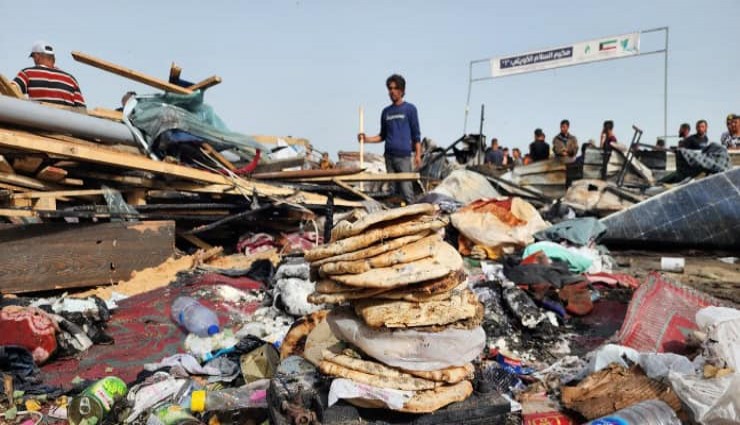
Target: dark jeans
[[400, 164]]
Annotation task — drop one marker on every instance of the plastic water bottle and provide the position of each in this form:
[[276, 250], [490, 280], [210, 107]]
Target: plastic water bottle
[[194, 316], [650, 412], [252, 395]]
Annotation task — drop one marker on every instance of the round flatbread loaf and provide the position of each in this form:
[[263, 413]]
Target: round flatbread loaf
[[405, 382], [445, 260], [370, 237], [402, 314], [345, 229], [373, 250], [295, 339], [422, 248]]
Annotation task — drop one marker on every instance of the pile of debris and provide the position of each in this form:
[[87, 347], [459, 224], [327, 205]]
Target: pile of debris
[[410, 306]]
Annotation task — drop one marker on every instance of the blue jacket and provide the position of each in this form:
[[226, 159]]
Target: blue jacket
[[399, 127]]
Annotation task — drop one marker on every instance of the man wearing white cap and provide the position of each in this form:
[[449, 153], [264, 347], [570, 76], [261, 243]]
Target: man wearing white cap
[[47, 83]]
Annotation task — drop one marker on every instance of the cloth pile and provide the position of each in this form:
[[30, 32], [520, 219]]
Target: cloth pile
[[413, 324]]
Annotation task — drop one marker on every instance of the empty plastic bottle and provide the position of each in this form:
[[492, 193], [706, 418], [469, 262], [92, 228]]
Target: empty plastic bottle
[[650, 412], [252, 395], [194, 316]]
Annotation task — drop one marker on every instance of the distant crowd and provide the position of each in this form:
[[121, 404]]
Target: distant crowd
[[565, 145]]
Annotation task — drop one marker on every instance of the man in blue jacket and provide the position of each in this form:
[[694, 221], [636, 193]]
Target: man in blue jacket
[[399, 128]]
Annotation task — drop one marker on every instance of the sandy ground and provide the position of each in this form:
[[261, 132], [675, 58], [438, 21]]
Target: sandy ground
[[703, 270]]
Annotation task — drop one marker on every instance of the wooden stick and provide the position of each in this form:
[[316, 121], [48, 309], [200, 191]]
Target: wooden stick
[[208, 82], [129, 73], [362, 143]]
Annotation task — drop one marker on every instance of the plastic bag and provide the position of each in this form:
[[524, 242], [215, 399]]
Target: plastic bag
[[345, 388], [659, 365], [713, 401], [410, 349], [722, 327]]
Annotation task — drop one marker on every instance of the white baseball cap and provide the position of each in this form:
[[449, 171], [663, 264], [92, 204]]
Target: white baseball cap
[[42, 47]]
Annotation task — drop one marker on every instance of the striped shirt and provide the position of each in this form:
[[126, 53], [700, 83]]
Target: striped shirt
[[50, 85]]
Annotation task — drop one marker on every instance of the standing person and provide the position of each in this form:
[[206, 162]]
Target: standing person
[[47, 83], [507, 162], [699, 139], [399, 128], [494, 155], [539, 150], [731, 138], [517, 157], [683, 132], [608, 140], [564, 144]]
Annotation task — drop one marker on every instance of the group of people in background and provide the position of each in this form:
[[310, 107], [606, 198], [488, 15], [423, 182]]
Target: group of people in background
[[565, 145]]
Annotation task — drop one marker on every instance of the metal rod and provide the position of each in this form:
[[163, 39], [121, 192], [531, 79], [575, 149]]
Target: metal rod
[[665, 85], [481, 138], [467, 102]]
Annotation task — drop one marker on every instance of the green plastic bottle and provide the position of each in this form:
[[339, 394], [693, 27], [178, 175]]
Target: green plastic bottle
[[91, 406]]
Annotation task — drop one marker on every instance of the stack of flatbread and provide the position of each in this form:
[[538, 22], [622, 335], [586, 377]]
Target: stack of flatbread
[[396, 271]]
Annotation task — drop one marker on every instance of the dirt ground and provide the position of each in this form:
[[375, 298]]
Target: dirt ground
[[703, 270]]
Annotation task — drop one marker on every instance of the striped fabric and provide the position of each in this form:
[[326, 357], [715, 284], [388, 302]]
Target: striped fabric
[[50, 85]]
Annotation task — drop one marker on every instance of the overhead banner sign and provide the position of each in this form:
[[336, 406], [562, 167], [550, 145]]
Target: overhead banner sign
[[574, 54]]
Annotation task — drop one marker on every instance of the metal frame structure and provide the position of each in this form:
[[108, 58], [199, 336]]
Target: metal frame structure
[[664, 50]]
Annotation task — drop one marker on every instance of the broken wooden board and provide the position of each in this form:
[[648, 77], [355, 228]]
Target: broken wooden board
[[40, 257], [367, 177], [9, 89], [205, 84], [51, 174], [27, 164], [109, 114], [129, 73]]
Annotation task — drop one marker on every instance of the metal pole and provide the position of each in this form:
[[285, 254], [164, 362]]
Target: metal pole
[[467, 102], [665, 86]]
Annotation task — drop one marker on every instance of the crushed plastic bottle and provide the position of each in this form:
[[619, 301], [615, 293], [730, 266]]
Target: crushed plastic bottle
[[252, 395], [194, 316], [650, 412]]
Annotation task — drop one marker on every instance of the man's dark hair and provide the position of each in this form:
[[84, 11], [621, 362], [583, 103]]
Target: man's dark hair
[[494, 141], [660, 142], [538, 132], [399, 80], [565, 122], [608, 125], [700, 122], [685, 126]]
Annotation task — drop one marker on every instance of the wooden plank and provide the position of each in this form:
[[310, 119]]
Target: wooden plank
[[51, 174], [49, 256], [367, 177], [208, 149], [5, 166], [24, 140], [196, 241], [59, 194], [136, 197], [9, 89], [27, 164], [72, 182], [12, 187], [175, 71], [349, 188], [12, 212], [306, 174], [27, 182], [45, 204], [110, 114], [129, 73], [207, 83], [273, 140]]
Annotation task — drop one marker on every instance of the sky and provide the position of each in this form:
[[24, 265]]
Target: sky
[[303, 68]]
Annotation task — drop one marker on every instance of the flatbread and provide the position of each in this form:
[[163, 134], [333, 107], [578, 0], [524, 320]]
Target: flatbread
[[413, 297], [422, 248], [295, 339], [427, 401], [343, 297], [319, 339], [445, 261], [372, 251], [368, 238], [404, 382], [328, 286], [345, 229], [402, 314], [450, 375], [430, 287]]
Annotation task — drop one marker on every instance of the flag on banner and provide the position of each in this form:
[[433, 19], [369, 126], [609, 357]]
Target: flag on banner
[[574, 54]]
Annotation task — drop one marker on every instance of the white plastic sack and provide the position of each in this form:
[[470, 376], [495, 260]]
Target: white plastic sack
[[466, 186], [410, 349], [713, 401], [608, 354], [659, 365], [344, 388], [722, 327]]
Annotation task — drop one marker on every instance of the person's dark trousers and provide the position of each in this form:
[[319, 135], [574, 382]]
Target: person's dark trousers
[[605, 157], [401, 164]]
